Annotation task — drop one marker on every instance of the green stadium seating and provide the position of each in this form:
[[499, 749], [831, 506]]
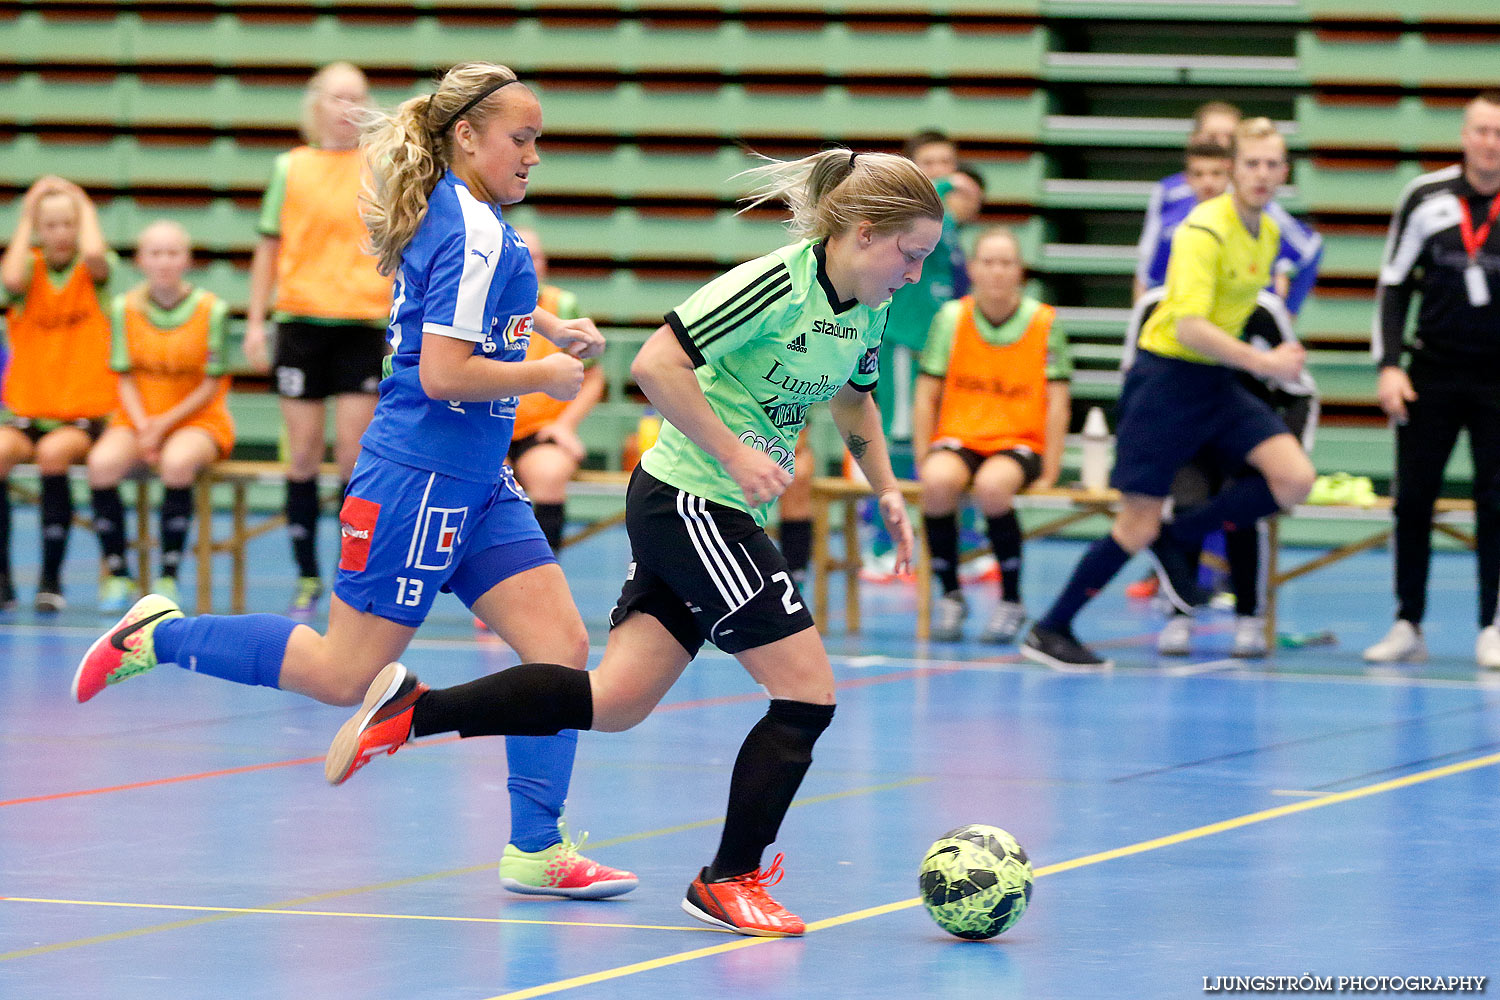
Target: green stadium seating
[[1409, 59], [624, 297], [1410, 11], [734, 111], [1344, 377], [1169, 10], [1408, 123], [1338, 318], [90, 164], [1122, 68], [1352, 253], [1353, 186], [298, 39]]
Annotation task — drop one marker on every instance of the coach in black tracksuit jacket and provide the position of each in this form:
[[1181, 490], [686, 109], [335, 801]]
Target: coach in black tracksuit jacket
[[1444, 244]]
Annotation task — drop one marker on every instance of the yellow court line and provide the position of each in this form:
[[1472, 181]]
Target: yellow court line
[[225, 913], [341, 913], [1142, 847]]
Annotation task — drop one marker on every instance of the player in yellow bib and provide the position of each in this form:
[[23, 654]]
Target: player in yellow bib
[[990, 415], [1181, 395]]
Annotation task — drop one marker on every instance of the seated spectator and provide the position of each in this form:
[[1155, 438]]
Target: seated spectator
[[174, 411], [991, 412], [58, 386]]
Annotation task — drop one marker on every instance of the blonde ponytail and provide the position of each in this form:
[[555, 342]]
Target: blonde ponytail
[[830, 191], [407, 154]]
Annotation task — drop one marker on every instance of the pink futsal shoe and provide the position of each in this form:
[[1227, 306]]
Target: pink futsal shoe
[[382, 724], [125, 650], [560, 870]]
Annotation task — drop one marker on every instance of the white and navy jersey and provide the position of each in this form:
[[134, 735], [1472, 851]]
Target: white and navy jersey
[[466, 275], [1424, 253], [1299, 256]]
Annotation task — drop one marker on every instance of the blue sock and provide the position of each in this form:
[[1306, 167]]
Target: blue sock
[[1094, 571], [1241, 504], [540, 769], [246, 649]]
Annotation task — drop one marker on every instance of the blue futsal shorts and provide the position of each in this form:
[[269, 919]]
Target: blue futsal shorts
[[406, 534], [1170, 410]]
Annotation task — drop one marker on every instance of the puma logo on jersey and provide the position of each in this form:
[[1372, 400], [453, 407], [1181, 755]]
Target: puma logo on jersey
[[483, 256]]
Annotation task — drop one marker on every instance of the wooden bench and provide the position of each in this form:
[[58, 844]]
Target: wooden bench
[[1072, 504], [1075, 504], [239, 476]]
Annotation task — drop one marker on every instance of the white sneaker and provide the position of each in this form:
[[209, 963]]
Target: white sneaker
[[1176, 636], [949, 615], [1402, 644], [1487, 648], [1004, 624], [1249, 637]]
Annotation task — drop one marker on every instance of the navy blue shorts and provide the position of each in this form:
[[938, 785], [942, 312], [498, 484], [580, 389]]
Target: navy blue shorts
[[1170, 410], [407, 534]]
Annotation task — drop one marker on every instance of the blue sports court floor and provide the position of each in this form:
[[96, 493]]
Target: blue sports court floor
[[1203, 818]]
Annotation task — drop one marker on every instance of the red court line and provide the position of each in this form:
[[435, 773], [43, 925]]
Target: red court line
[[177, 779], [156, 782], [676, 706]]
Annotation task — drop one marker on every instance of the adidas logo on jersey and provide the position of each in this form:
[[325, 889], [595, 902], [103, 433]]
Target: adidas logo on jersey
[[799, 345]]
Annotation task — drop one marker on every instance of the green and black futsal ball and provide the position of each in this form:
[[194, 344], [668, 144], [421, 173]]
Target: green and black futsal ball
[[976, 881]]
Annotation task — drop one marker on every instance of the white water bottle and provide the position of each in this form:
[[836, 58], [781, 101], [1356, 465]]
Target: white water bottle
[[1095, 472]]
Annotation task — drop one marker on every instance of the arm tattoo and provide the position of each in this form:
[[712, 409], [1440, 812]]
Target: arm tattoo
[[857, 446]]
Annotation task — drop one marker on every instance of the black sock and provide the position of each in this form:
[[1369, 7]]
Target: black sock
[[1092, 574], [532, 699], [57, 521], [5, 528], [109, 525], [302, 524], [1243, 502], [176, 515], [767, 774], [796, 544], [942, 546], [1005, 539], [1242, 552], [551, 518]]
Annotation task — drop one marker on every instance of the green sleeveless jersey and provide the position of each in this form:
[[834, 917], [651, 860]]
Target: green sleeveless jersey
[[769, 339]]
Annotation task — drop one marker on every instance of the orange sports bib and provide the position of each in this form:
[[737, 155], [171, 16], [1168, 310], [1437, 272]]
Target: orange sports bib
[[995, 398], [59, 349]]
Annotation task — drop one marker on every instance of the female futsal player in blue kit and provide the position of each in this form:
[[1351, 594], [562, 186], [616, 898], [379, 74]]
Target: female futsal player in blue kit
[[431, 504]]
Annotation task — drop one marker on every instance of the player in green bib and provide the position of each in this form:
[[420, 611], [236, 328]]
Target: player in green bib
[[733, 372]]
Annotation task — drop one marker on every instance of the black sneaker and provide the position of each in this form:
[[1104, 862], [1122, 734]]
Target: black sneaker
[[1177, 569], [1061, 651]]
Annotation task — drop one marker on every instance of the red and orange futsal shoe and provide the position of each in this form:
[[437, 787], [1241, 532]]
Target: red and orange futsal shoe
[[742, 904], [382, 724]]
